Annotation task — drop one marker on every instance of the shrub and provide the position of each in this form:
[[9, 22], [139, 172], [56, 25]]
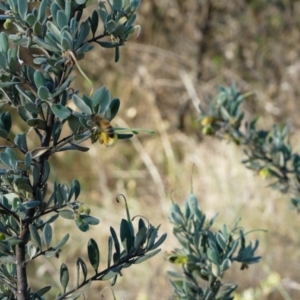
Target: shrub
[[40, 96]]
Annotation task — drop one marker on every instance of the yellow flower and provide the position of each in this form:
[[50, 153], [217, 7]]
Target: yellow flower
[[264, 173], [106, 140], [207, 121]]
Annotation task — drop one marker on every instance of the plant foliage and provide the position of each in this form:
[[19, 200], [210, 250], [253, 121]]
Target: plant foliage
[[206, 254], [40, 96], [268, 153]]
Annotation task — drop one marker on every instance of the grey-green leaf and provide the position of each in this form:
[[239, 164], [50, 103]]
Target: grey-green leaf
[[67, 214], [81, 105], [39, 79], [62, 242], [89, 220], [60, 111], [126, 238], [64, 276], [28, 161], [4, 45], [147, 256], [20, 141], [43, 93], [81, 263], [24, 113], [22, 8], [61, 19], [34, 236], [3, 60], [93, 254], [47, 235]]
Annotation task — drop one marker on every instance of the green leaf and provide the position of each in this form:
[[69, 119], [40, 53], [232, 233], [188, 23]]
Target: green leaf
[[109, 253], [22, 8], [5, 159], [64, 276], [43, 93], [43, 290], [100, 99], [47, 235], [94, 22], [21, 142], [64, 86], [177, 219], [12, 159], [76, 147], [24, 113], [61, 242], [140, 238], [61, 19], [192, 203], [30, 18], [83, 33], [3, 60], [117, 5], [46, 172], [31, 204], [158, 243], [35, 174], [35, 237], [13, 65], [38, 28], [42, 11], [3, 134], [39, 79], [107, 44], [75, 189], [93, 254], [51, 219], [117, 54], [103, 12], [125, 234], [5, 121], [4, 44], [226, 264], [66, 41], [89, 220], [124, 136], [32, 251], [67, 214], [213, 256], [81, 105], [73, 123], [147, 256], [60, 111], [37, 123], [28, 161], [110, 26], [221, 240], [114, 107], [110, 274], [81, 225], [45, 45], [116, 241], [81, 264]]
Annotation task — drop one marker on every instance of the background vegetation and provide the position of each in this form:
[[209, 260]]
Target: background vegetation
[[185, 50]]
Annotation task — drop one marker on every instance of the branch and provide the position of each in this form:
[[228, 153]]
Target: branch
[[96, 276], [9, 212]]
